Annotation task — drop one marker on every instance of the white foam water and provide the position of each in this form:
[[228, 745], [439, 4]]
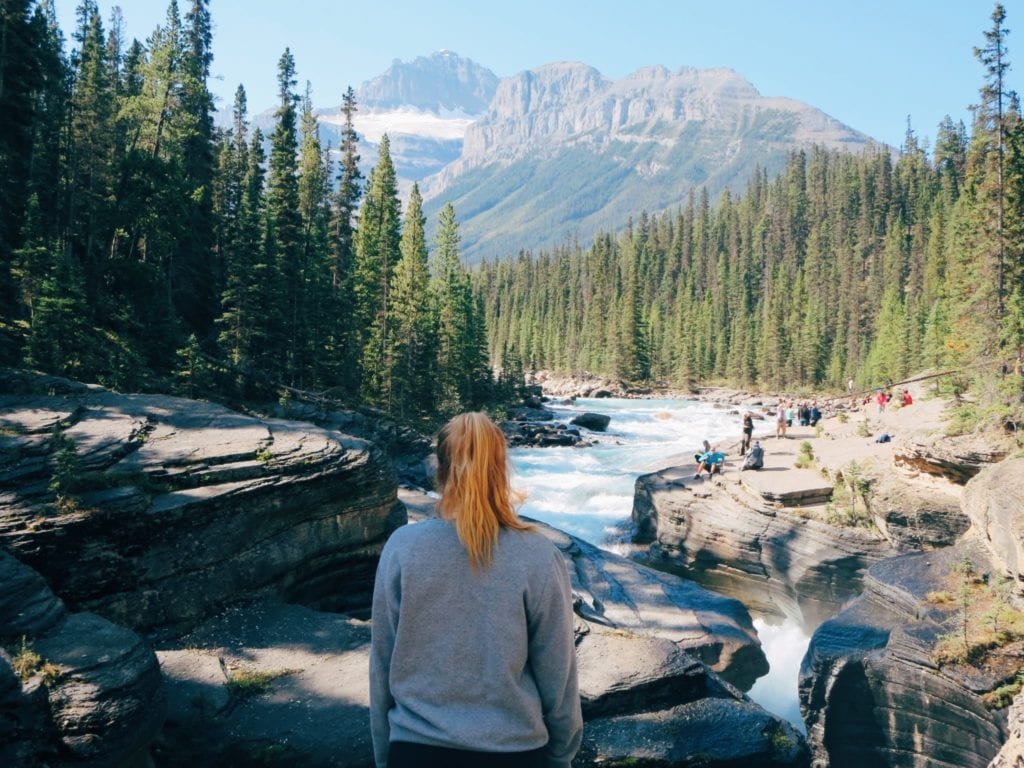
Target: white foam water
[[588, 492]]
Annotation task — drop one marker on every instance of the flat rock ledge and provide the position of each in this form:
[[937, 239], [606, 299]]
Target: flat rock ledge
[[91, 696], [870, 691], [157, 511]]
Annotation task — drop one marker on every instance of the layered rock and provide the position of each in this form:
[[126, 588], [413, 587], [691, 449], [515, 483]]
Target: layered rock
[[738, 542], [994, 501], [1012, 753], [956, 458], [75, 689], [157, 511], [871, 690]]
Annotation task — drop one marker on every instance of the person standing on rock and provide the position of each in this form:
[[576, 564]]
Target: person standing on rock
[[748, 432], [780, 420], [472, 659]]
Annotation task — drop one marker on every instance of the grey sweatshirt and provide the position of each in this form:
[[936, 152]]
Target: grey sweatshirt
[[473, 659]]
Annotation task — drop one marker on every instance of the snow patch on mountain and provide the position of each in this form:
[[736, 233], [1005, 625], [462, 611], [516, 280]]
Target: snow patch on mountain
[[372, 125]]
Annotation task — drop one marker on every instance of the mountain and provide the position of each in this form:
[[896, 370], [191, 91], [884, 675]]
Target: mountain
[[564, 152], [425, 106]]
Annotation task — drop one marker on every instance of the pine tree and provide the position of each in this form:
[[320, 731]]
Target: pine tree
[[284, 229], [413, 323], [377, 251], [452, 295], [347, 339]]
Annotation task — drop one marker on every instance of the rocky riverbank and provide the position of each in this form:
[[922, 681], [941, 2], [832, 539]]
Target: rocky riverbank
[[882, 683], [242, 550]]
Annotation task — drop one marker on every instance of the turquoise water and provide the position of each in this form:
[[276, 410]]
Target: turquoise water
[[589, 493]]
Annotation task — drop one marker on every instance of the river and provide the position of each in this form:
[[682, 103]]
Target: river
[[588, 492]]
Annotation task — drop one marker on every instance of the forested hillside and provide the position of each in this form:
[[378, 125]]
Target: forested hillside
[[142, 248], [867, 266]]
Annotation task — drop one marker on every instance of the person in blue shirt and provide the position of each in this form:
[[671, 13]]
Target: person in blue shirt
[[711, 462]]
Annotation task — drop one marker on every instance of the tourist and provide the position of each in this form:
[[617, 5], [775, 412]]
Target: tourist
[[881, 399], [815, 414], [699, 455], [790, 414], [804, 414], [472, 658], [907, 399], [711, 463], [780, 420], [748, 432], [755, 459]]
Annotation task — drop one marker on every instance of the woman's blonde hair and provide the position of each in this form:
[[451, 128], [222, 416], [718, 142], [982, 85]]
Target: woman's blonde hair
[[473, 479]]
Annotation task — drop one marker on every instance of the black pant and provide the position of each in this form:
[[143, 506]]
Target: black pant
[[404, 754]]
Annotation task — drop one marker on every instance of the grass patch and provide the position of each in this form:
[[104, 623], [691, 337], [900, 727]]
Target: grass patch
[[1003, 696], [28, 662], [248, 683], [805, 456]]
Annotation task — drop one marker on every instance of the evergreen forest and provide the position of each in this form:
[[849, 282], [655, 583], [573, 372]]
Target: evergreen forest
[[869, 267], [144, 248]]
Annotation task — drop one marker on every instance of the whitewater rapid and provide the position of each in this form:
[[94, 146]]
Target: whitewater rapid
[[588, 492]]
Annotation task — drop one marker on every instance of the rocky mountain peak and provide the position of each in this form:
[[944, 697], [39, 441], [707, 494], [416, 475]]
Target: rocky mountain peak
[[442, 82]]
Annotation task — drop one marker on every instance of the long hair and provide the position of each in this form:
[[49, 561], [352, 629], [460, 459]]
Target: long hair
[[473, 478]]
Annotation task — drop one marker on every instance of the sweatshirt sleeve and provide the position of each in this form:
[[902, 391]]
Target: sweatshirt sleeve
[[552, 656], [384, 622]]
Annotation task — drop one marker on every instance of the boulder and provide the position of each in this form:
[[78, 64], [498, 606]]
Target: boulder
[[157, 511], [646, 702], [870, 689], [86, 691], [595, 422]]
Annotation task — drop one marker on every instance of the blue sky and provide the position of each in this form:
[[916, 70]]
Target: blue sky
[[869, 63]]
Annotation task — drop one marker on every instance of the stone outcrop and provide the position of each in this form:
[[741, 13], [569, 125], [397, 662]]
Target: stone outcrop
[[1012, 753], [994, 500], [157, 511], [870, 689], [621, 595], [739, 543], [75, 689], [646, 702], [956, 458]]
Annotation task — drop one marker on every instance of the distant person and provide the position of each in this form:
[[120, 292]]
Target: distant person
[[711, 463], [472, 653], [907, 399], [815, 414], [881, 399], [699, 456], [849, 386], [780, 420], [804, 414], [790, 414], [755, 459], [748, 432]]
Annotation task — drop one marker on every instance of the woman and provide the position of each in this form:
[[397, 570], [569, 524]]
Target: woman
[[472, 658]]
